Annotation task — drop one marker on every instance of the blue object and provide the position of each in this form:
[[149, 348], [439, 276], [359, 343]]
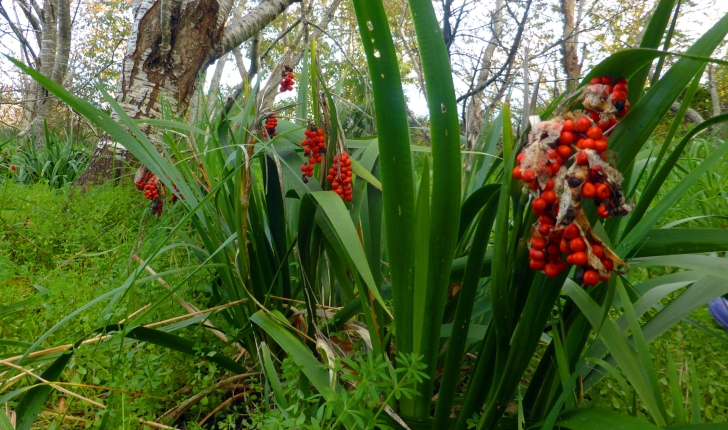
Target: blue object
[[719, 310]]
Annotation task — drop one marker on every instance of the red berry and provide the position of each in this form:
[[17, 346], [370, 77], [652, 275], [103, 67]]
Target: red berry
[[620, 87], [536, 254], [602, 211], [591, 277], [596, 81], [551, 270], [582, 159], [603, 192], [538, 204], [549, 185], [564, 247], [549, 197], [579, 258], [619, 96], [607, 263], [597, 250], [583, 124], [566, 138], [553, 249], [517, 173], [561, 266], [538, 243], [563, 151], [537, 264], [601, 146], [588, 191], [545, 219], [577, 244], [568, 125], [594, 133], [545, 229], [571, 232], [528, 176], [606, 80]]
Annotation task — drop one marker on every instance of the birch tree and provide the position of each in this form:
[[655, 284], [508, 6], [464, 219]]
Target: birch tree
[[171, 42]]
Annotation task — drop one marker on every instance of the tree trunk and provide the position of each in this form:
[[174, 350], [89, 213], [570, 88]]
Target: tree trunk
[[47, 59], [197, 37], [213, 95], [714, 97], [569, 58]]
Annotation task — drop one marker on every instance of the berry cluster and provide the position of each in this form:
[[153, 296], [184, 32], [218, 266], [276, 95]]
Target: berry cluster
[[270, 125], [617, 93], [314, 145], [153, 189], [150, 191], [559, 185], [340, 177], [287, 82]]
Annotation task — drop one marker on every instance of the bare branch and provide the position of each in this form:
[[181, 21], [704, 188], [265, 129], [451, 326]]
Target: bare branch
[[281, 36], [509, 60], [243, 29], [18, 33]]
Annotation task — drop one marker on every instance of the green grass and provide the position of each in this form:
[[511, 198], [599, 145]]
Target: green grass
[[61, 249]]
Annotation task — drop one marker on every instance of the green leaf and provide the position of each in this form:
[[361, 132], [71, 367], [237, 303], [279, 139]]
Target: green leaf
[[672, 197], [344, 238], [601, 419], [618, 344], [179, 343], [272, 377], [678, 410], [658, 242], [5, 421], [651, 39], [466, 300], [420, 312], [643, 353], [634, 130], [31, 403], [446, 184], [361, 172], [302, 106], [311, 367], [395, 160]]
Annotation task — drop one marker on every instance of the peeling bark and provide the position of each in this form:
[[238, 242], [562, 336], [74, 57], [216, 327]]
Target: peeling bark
[[714, 97], [47, 59], [569, 58]]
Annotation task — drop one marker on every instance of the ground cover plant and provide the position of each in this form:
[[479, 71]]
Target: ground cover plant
[[347, 286]]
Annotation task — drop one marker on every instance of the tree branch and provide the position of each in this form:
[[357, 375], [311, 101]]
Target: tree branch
[[243, 29], [18, 33], [509, 60]]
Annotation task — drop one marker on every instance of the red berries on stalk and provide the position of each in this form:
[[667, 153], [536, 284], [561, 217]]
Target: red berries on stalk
[[287, 82], [340, 177], [564, 163], [314, 146], [270, 125]]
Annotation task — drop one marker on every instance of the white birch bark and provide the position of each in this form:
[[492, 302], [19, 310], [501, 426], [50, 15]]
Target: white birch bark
[[214, 94], [714, 96], [569, 58]]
